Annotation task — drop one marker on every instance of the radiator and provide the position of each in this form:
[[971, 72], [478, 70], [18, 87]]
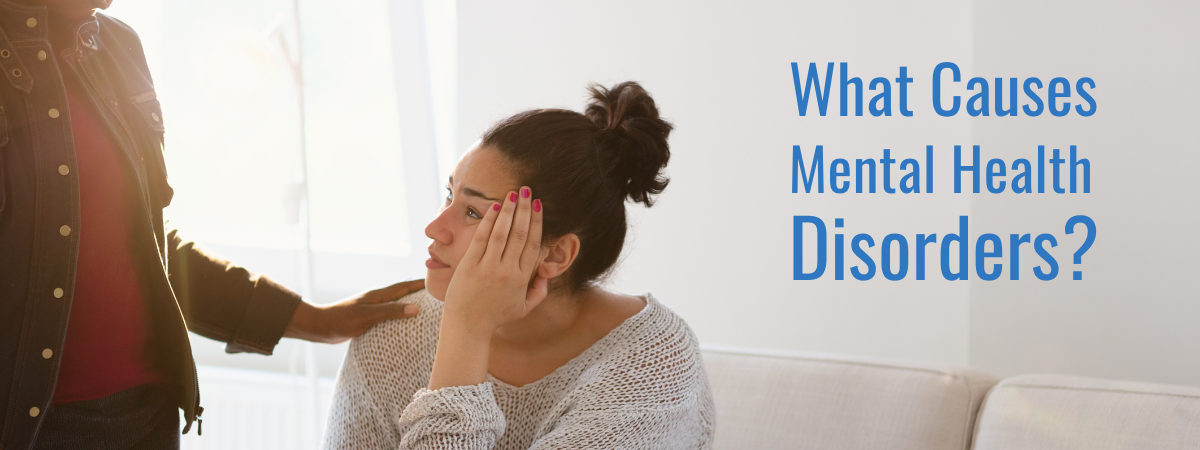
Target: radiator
[[259, 410]]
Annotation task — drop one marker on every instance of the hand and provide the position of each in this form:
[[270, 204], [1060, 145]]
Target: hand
[[494, 283], [338, 322]]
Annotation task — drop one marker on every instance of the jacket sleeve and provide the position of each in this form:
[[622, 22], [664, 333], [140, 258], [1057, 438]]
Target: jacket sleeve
[[225, 302]]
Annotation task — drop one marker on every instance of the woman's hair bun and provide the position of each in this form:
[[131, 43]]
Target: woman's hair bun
[[631, 140], [586, 167]]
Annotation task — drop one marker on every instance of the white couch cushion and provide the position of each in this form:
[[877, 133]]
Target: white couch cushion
[[1041, 412], [769, 400]]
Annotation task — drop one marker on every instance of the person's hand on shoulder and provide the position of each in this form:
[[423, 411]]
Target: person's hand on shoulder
[[341, 321]]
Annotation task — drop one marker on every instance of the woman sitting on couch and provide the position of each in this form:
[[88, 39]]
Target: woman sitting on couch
[[518, 348]]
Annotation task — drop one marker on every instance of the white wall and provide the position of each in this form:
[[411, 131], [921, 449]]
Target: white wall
[[1134, 314], [717, 248]]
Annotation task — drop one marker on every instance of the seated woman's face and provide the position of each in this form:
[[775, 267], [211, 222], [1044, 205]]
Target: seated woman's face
[[480, 179]]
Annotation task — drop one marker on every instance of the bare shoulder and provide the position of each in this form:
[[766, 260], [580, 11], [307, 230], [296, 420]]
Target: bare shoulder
[[629, 305], [616, 307]]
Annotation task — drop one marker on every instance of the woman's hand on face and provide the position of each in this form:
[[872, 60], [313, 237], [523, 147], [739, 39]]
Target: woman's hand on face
[[492, 285]]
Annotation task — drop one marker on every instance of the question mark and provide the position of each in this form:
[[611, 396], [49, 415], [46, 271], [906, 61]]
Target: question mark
[[1087, 243]]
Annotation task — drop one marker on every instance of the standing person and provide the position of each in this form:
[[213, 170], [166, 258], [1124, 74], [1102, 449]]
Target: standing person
[[96, 296]]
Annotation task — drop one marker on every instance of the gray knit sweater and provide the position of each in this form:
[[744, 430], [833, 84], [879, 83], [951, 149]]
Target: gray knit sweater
[[642, 386]]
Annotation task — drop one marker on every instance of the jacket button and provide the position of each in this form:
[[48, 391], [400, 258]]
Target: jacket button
[[47, 353], [64, 230], [34, 411], [58, 292], [63, 170], [53, 113], [41, 55], [31, 22]]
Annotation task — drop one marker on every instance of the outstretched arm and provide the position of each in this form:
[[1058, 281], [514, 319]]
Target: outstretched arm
[[250, 312]]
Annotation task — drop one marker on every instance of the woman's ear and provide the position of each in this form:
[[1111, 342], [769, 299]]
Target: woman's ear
[[562, 253]]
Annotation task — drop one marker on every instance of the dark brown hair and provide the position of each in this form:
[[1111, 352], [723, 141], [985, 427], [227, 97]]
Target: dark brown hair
[[584, 166]]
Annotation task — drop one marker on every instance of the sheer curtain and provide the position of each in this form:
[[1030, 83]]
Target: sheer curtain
[[305, 140]]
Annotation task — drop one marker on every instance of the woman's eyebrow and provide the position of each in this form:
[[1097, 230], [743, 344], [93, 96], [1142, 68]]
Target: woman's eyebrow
[[475, 193]]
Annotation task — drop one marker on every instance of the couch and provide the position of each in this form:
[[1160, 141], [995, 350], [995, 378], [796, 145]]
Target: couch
[[795, 400]]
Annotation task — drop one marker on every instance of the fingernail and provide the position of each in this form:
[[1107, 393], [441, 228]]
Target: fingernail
[[512, 197], [537, 205], [496, 206], [524, 193], [410, 309]]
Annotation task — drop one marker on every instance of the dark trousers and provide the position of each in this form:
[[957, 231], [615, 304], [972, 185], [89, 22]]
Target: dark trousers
[[144, 417]]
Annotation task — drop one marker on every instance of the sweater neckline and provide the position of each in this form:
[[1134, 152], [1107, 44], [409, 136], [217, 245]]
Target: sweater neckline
[[614, 333]]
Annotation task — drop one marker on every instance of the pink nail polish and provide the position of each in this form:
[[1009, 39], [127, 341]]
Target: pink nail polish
[[537, 205], [512, 197], [524, 193], [496, 206]]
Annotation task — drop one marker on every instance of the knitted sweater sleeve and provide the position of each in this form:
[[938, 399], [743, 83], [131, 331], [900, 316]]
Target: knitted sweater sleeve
[[467, 418], [453, 418]]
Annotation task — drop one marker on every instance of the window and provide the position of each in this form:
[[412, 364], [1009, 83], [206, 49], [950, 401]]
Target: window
[[303, 142]]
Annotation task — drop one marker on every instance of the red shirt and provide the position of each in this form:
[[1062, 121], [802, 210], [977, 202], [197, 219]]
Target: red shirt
[[106, 349]]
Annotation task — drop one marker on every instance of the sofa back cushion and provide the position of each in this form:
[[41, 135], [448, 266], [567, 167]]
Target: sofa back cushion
[[769, 400], [1036, 412]]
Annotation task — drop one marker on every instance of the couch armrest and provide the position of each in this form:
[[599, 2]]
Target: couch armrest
[[1036, 412]]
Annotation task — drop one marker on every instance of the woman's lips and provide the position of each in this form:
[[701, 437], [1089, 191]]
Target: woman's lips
[[434, 263]]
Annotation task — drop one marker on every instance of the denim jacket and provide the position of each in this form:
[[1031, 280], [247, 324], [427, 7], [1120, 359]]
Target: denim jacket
[[40, 214]]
